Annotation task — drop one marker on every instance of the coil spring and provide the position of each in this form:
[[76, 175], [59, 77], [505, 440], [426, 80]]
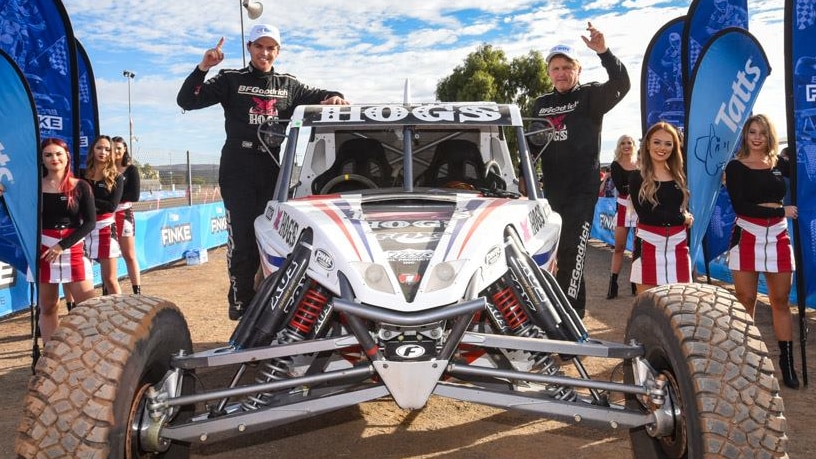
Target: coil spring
[[302, 323], [511, 309]]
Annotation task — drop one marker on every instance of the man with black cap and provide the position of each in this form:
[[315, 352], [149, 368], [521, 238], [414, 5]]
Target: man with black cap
[[247, 173], [570, 164]]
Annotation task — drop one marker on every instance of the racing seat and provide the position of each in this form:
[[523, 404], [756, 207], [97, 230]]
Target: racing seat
[[356, 157], [455, 161]]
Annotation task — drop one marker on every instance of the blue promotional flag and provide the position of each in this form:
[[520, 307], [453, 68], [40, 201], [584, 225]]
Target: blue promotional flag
[[42, 45], [800, 85], [19, 170], [726, 81], [661, 81], [704, 19], [88, 109]]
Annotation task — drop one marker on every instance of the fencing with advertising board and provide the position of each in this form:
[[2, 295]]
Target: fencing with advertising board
[[162, 236]]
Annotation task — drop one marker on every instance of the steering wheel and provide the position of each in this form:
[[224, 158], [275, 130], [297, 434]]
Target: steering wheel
[[344, 178]]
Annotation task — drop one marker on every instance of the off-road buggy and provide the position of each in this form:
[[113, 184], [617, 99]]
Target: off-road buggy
[[404, 258]]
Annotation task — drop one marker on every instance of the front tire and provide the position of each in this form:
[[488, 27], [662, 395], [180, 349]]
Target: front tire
[[87, 385], [718, 371]]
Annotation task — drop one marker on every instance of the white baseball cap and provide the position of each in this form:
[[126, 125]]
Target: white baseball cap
[[563, 50], [264, 30]]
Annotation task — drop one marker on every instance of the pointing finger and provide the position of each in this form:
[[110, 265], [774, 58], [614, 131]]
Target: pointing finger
[[220, 44]]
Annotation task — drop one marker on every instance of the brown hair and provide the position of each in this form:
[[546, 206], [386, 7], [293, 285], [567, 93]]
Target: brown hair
[[109, 170], [648, 191], [770, 132]]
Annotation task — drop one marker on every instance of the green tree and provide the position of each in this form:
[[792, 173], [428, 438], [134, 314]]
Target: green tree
[[487, 75]]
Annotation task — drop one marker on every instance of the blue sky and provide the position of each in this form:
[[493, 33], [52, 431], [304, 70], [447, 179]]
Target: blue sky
[[366, 49]]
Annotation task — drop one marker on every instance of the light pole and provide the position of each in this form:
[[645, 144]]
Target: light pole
[[254, 10], [130, 76]]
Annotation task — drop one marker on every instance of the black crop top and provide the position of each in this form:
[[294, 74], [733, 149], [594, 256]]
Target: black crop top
[[56, 214], [107, 200], [748, 187], [620, 177], [669, 199]]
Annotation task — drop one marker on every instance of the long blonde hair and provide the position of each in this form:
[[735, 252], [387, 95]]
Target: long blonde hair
[[770, 132], [619, 150], [648, 191], [109, 170]]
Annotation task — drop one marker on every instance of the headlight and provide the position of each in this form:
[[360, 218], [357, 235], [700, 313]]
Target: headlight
[[375, 276], [444, 275]]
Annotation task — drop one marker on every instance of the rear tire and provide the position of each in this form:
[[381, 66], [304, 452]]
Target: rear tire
[[88, 382], [703, 341]]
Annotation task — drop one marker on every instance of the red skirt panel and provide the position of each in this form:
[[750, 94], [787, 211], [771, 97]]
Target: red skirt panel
[[761, 245], [101, 242], [661, 255], [71, 266]]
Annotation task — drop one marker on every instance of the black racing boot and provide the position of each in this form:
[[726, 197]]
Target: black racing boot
[[786, 364], [634, 289], [137, 289], [613, 287]]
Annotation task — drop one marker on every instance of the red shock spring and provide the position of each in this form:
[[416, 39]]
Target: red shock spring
[[308, 311], [508, 304]]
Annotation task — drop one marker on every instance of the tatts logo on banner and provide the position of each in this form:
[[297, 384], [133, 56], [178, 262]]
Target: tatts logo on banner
[[728, 76]]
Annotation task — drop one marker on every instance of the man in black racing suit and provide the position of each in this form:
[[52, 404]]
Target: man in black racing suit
[[247, 173], [570, 164]]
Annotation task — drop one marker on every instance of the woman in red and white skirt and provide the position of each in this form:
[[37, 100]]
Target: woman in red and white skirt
[[660, 196], [760, 241], [68, 215], [125, 221], [624, 165], [106, 183]]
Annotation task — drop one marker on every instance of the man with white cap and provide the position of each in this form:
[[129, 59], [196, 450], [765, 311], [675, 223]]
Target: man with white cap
[[247, 174], [570, 164]]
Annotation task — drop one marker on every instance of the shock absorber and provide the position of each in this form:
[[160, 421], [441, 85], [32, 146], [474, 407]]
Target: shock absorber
[[307, 319], [514, 320]]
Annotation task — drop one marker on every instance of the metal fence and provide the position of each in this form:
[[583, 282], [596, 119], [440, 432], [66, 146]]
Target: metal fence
[[165, 183]]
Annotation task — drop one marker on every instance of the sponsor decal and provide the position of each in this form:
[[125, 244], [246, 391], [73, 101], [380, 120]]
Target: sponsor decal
[[324, 259], [258, 91], [607, 221], [50, 122], [287, 228], [171, 235], [577, 273], [537, 219], [410, 351], [409, 279], [218, 224], [409, 256], [394, 113], [734, 111], [568, 108], [493, 255], [399, 224]]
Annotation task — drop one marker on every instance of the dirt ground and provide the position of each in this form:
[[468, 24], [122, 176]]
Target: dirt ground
[[444, 428]]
